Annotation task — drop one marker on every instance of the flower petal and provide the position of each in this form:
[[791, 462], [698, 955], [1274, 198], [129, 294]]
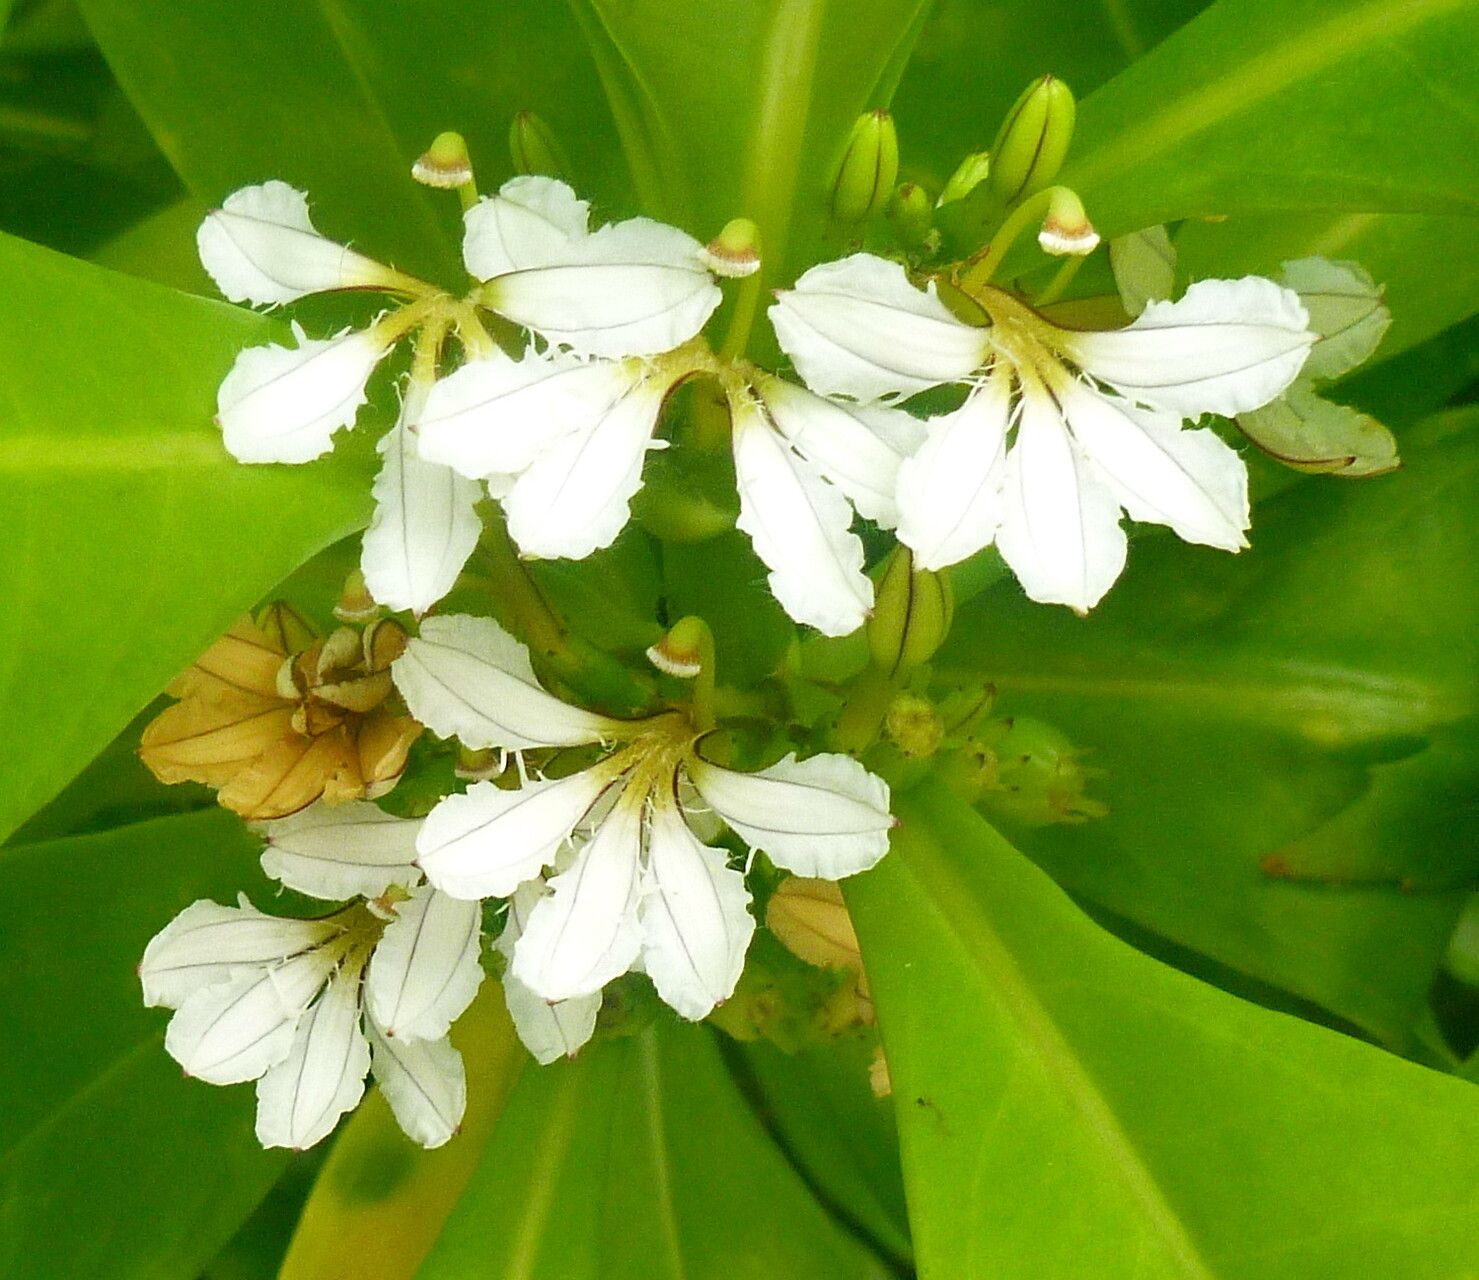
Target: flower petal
[[826, 816], [801, 527], [234, 1030], [859, 328], [1060, 530], [425, 970], [531, 222], [494, 417], [856, 447], [634, 288], [550, 1030], [424, 1081], [1189, 480], [342, 851], [586, 933], [424, 528], [202, 945], [300, 1100], [260, 246], [696, 924], [283, 404], [576, 496], [1227, 346], [486, 842], [950, 491], [467, 678]]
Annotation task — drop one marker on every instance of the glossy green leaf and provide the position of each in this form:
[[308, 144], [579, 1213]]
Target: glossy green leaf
[[111, 1162], [132, 538], [342, 98], [638, 1159], [1070, 1107], [728, 111], [1233, 705], [1201, 124], [1418, 261]]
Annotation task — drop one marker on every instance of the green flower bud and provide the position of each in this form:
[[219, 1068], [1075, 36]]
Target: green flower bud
[[869, 168], [968, 175], [910, 214], [1033, 141], [534, 148], [914, 726], [912, 611], [1032, 774], [445, 164]]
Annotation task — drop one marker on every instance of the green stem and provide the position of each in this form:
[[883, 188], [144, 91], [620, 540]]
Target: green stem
[[534, 618], [1061, 281], [862, 716], [982, 265]]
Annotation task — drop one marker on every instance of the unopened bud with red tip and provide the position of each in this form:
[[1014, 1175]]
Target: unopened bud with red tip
[[1067, 231], [912, 612], [534, 148], [1033, 141], [910, 215], [869, 169], [445, 164], [735, 251], [969, 174], [684, 650]]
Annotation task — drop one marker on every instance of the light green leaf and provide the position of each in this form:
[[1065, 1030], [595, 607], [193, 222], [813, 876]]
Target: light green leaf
[[111, 1162], [1310, 433], [1068, 1106], [132, 539], [1144, 264], [639, 1159], [1427, 281], [1202, 123], [342, 98], [1232, 705], [1345, 308]]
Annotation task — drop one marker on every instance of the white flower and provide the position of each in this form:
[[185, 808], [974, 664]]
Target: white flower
[[284, 404], [634, 288], [1097, 416], [308, 1007], [642, 887], [803, 464], [560, 434]]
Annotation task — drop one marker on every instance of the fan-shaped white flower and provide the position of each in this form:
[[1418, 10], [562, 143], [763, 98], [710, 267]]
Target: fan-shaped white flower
[[642, 887], [1097, 416], [308, 1007]]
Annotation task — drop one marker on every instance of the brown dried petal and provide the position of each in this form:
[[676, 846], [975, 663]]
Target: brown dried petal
[[211, 740], [810, 919], [244, 660], [339, 655], [384, 741], [293, 773], [286, 628], [362, 693], [384, 642]]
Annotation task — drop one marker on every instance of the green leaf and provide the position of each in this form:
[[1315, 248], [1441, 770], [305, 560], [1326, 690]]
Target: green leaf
[[377, 1185], [1310, 433], [1233, 705], [729, 111], [132, 538], [1144, 264], [343, 97], [1068, 1106], [638, 1159], [1410, 256], [111, 1162], [1202, 124]]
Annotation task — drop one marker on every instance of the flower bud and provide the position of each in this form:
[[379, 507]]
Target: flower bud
[[445, 164], [735, 251], [534, 148], [1032, 774], [968, 175], [869, 169], [914, 726], [680, 653], [1067, 231], [355, 603], [912, 611], [910, 214], [1033, 141]]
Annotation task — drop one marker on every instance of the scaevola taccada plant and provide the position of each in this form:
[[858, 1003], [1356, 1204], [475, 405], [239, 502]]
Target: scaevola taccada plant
[[594, 842]]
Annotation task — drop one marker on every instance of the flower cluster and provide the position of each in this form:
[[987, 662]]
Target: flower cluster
[[606, 869]]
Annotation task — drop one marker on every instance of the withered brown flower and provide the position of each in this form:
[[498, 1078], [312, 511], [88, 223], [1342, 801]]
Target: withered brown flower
[[276, 718]]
